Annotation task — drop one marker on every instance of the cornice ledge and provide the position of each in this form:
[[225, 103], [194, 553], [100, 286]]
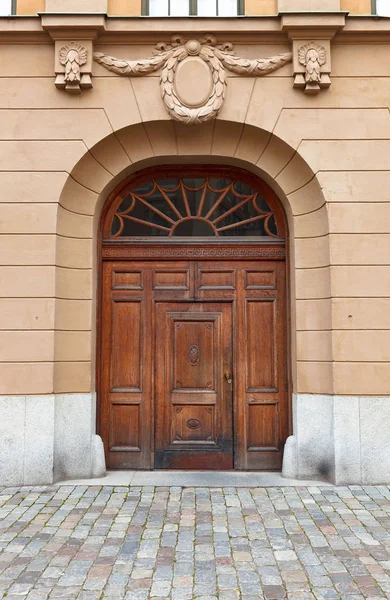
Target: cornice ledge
[[62, 26], [306, 25]]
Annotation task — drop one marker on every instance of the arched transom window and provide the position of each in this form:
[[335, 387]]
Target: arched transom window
[[194, 203]]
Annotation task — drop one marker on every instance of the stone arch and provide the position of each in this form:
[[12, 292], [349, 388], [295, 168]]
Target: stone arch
[[223, 142]]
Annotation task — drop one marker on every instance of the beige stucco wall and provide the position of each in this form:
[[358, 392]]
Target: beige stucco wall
[[328, 158], [133, 7]]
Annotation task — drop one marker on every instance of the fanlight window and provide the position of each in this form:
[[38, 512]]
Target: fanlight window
[[192, 207]]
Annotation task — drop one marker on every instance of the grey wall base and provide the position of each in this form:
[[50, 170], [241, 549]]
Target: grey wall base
[[343, 439], [44, 439]]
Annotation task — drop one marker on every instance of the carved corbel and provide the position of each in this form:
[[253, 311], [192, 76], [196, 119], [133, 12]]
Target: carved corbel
[[312, 66], [73, 65]]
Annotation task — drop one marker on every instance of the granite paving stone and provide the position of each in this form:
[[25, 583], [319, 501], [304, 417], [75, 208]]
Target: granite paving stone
[[194, 543]]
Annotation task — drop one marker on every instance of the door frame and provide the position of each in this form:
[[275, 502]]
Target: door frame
[[192, 249]]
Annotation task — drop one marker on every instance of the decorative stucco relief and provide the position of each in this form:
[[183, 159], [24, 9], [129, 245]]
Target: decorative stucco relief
[[193, 79], [72, 57], [315, 72]]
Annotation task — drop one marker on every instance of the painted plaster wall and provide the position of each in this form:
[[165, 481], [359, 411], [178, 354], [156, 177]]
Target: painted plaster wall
[[47, 282]]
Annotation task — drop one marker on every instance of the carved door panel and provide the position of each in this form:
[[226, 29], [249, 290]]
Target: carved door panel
[[193, 386]]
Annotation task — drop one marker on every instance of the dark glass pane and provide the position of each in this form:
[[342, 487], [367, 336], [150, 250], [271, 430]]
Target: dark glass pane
[[194, 228], [132, 228], [125, 204], [144, 188], [115, 225]]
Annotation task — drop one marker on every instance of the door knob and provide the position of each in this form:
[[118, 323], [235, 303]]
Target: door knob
[[228, 377]]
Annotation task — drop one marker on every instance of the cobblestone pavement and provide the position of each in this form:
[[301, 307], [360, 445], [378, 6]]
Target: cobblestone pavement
[[136, 543]]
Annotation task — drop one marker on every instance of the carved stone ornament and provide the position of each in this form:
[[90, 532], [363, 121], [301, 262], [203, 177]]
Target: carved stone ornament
[[193, 79], [313, 58], [72, 57]]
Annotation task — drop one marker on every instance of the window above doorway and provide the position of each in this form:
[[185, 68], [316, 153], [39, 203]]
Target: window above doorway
[[185, 8], [193, 202]]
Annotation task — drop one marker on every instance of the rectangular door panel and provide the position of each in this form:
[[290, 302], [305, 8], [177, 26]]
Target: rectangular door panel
[[263, 427], [125, 428], [126, 351], [260, 331], [193, 397], [215, 281], [126, 365]]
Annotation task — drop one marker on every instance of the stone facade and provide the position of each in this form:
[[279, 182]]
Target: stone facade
[[327, 156]]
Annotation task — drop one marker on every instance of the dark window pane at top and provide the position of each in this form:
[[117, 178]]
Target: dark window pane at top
[[231, 208]]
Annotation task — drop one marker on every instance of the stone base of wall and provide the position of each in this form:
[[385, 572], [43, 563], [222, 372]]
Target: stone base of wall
[[44, 439], [344, 439]]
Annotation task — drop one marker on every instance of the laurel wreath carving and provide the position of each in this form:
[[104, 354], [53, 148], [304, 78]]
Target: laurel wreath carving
[[217, 57]]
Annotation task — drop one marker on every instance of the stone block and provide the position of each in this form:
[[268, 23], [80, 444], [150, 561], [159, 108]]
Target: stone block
[[73, 284], [39, 440], [26, 378], [355, 378], [358, 249], [71, 377], [26, 313], [26, 346], [314, 315], [98, 458], [73, 315], [361, 313], [314, 431], [290, 463], [73, 430], [362, 281], [347, 440], [72, 346], [12, 415], [27, 249], [369, 217], [28, 218], [375, 439], [16, 280]]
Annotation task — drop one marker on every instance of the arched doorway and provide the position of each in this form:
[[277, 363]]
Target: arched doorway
[[193, 360]]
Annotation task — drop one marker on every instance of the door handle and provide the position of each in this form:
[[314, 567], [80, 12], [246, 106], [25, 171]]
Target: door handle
[[228, 377]]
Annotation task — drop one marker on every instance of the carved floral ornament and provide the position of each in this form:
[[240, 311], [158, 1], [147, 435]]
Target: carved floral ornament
[[313, 58], [193, 78], [72, 59]]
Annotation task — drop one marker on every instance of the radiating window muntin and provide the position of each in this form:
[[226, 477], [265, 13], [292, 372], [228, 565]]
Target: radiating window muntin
[[192, 206], [185, 8]]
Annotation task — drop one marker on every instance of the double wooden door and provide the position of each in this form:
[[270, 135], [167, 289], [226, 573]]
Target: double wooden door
[[193, 367]]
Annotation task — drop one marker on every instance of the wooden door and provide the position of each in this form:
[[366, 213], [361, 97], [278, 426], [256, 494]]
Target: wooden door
[[171, 331], [194, 366]]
